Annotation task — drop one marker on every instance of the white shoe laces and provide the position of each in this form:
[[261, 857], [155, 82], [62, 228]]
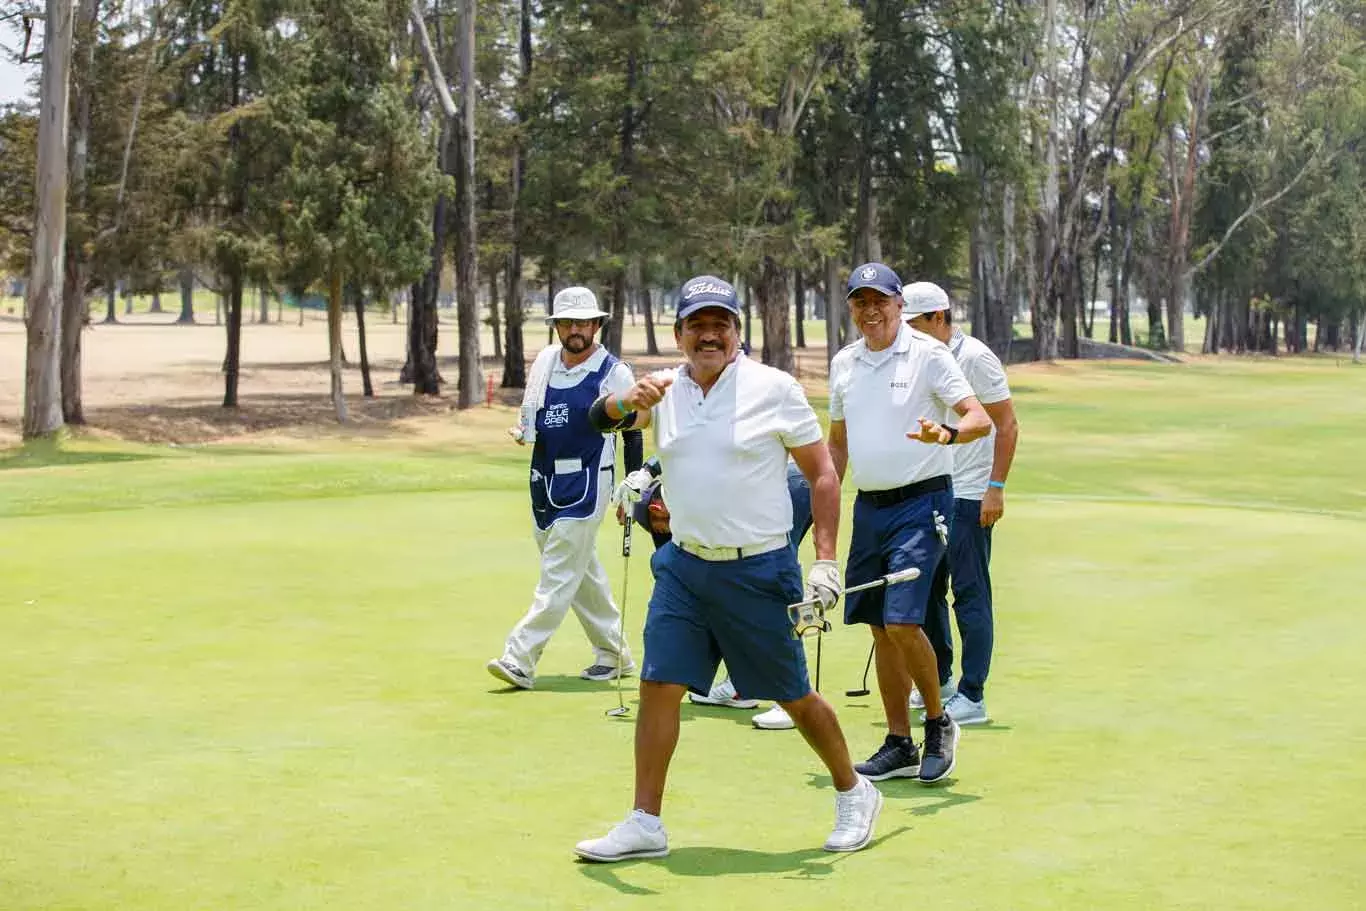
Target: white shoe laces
[[847, 809]]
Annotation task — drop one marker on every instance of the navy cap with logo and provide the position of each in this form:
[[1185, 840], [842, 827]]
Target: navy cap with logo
[[876, 276], [706, 291]]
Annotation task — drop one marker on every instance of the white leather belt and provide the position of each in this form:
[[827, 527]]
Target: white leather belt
[[718, 554]]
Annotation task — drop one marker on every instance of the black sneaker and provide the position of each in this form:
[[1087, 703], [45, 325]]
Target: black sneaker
[[898, 757], [605, 672], [941, 747]]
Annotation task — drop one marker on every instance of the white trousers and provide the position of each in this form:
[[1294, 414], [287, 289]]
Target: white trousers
[[571, 576]]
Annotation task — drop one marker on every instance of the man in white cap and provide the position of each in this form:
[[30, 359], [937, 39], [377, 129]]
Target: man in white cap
[[724, 426], [980, 470], [891, 396], [572, 473]]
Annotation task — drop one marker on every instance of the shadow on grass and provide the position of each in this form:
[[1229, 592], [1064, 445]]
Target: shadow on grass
[[702, 861], [47, 454]]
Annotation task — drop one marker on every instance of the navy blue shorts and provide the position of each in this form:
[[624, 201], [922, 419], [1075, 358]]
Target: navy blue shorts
[[702, 612], [888, 539]]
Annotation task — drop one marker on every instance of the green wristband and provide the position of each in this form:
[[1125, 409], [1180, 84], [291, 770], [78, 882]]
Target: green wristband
[[621, 406]]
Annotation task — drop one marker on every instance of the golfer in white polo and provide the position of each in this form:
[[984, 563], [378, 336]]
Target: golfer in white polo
[[724, 426], [572, 470]]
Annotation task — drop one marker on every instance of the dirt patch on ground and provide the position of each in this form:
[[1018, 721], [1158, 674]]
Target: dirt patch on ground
[[147, 379]]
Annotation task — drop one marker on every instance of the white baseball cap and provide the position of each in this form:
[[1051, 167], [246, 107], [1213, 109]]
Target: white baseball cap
[[919, 298], [575, 303]]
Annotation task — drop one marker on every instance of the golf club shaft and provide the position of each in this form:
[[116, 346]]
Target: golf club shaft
[[905, 575], [625, 589]]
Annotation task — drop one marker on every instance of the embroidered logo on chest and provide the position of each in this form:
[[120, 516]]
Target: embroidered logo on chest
[[557, 415]]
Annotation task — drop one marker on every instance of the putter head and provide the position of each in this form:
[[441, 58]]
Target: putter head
[[618, 712], [855, 693]]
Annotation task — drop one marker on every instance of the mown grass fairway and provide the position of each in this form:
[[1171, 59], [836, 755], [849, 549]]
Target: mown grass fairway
[[252, 677]]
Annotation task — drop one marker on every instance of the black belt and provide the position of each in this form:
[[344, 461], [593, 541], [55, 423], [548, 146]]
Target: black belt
[[902, 494]]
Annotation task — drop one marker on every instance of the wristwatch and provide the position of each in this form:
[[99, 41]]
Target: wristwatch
[[953, 434]]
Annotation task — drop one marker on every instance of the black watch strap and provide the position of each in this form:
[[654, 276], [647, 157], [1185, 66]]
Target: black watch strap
[[953, 434]]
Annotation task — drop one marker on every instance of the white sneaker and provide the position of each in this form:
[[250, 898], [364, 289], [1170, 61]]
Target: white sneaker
[[964, 711], [856, 813], [724, 694], [775, 719], [627, 840], [946, 692]]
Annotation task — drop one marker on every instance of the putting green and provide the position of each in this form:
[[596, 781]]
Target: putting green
[[254, 679]]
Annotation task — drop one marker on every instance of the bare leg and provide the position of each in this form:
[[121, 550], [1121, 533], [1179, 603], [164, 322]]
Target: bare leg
[[893, 683], [656, 738], [816, 719], [919, 657]]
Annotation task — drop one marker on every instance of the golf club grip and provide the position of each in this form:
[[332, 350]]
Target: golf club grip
[[626, 538]]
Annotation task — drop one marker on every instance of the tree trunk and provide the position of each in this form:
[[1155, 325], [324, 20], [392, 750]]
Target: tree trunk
[[1359, 320], [833, 310], [470, 383], [156, 299], [42, 371], [799, 295], [514, 352], [420, 368], [75, 313], [494, 325], [233, 359], [127, 301], [334, 342], [647, 305], [186, 297], [263, 299], [612, 331], [748, 311], [773, 297], [358, 301]]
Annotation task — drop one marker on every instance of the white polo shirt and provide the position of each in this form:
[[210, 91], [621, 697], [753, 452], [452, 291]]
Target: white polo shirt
[[724, 455], [617, 381], [881, 395], [972, 461]]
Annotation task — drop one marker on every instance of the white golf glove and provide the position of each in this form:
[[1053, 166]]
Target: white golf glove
[[941, 528], [632, 488], [825, 583]]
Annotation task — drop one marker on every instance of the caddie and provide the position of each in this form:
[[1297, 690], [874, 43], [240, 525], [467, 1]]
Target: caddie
[[572, 474], [980, 470], [724, 426], [891, 395]]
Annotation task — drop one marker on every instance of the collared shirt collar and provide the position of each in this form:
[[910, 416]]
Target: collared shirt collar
[[956, 341], [589, 364], [900, 345]]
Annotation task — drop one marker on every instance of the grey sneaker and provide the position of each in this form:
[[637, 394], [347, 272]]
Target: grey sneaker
[[964, 711], [606, 672], [510, 673], [946, 692], [941, 748]]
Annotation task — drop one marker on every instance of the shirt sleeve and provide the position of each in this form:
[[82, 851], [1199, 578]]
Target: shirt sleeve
[[836, 389], [618, 380], [988, 378], [797, 422], [950, 386]]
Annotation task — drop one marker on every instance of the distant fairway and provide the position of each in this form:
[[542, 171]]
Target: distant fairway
[[251, 676]]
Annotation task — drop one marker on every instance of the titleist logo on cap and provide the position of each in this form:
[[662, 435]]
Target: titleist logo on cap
[[697, 288], [868, 274]]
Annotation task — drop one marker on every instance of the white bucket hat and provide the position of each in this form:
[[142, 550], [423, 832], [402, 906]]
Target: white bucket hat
[[575, 303], [919, 298]]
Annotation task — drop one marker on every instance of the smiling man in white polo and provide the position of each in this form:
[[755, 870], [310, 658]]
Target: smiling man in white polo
[[891, 395], [572, 466], [724, 427]]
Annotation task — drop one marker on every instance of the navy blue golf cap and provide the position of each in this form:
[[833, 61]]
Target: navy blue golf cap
[[876, 276], [706, 291]]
